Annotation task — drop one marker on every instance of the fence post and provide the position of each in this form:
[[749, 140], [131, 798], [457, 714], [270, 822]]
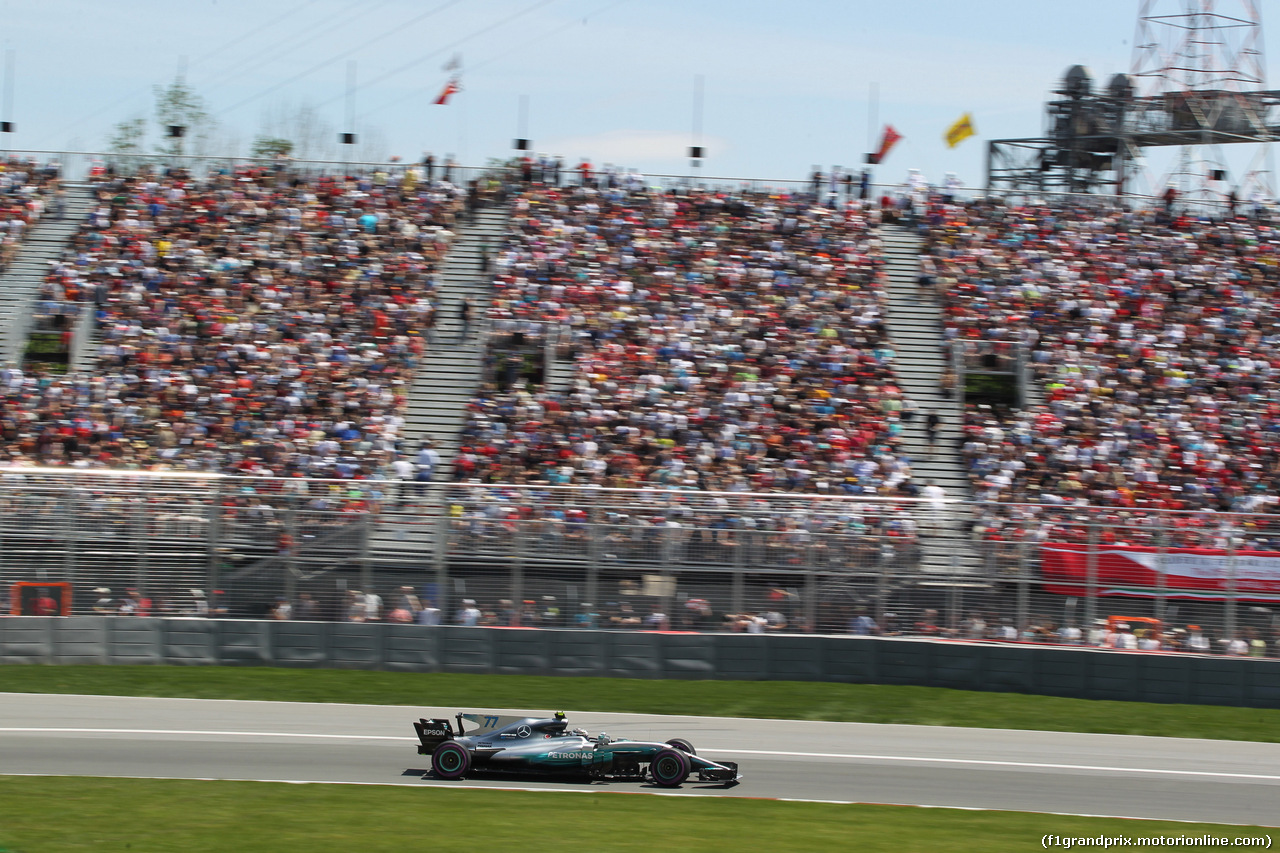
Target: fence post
[[291, 547], [810, 601], [882, 581], [72, 546], [441, 555], [956, 598], [366, 558], [143, 541], [517, 567], [1024, 586], [1091, 578], [1230, 629], [594, 549], [1162, 581], [737, 594], [213, 538]]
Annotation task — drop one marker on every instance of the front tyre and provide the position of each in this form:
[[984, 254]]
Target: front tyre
[[669, 768], [450, 760], [682, 745]]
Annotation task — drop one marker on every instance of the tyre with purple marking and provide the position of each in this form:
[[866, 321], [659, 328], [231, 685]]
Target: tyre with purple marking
[[669, 767], [450, 760], [682, 745]]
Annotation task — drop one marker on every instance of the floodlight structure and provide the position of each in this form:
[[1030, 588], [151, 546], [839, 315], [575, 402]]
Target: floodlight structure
[[1197, 82]]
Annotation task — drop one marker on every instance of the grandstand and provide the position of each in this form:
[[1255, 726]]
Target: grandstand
[[664, 394]]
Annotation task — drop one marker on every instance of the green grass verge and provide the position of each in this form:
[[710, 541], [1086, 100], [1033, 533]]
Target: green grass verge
[[789, 700], [72, 814]]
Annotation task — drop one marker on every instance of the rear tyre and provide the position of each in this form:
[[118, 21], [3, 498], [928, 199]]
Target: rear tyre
[[682, 745], [450, 760], [669, 768]]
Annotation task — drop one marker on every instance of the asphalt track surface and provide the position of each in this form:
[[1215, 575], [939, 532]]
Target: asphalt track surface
[[1112, 775]]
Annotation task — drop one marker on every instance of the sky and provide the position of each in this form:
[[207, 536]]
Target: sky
[[786, 84]]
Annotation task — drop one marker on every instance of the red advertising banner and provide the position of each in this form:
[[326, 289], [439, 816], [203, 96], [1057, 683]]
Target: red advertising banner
[[1189, 573]]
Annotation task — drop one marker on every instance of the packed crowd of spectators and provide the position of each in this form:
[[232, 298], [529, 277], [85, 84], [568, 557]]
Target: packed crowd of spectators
[[262, 321], [720, 341], [254, 321], [28, 191], [1155, 339]]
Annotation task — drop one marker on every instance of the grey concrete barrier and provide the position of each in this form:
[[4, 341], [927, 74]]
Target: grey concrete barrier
[[28, 639], [354, 645], [521, 651], [242, 641], [1053, 671], [740, 656], [410, 648], [134, 641], [81, 639], [191, 641], [466, 649], [576, 653], [632, 654]]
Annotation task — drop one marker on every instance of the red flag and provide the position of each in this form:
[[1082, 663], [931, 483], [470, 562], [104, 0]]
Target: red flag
[[888, 139], [449, 89]]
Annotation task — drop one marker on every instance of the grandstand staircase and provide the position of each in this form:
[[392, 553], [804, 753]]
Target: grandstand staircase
[[448, 376], [915, 328], [559, 371], [20, 283]]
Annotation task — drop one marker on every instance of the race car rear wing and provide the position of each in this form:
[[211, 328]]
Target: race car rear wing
[[432, 733]]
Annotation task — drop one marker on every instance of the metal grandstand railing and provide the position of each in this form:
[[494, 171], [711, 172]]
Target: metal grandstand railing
[[187, 541], [81, 165]]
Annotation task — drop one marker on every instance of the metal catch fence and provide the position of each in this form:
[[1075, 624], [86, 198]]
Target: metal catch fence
[[173, 543]]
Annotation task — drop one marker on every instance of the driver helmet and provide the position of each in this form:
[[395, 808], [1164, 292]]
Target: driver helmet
[[603, 739]]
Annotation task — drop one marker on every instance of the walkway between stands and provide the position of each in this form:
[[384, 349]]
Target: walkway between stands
[[452, 368], [20, 284], [915, 327]]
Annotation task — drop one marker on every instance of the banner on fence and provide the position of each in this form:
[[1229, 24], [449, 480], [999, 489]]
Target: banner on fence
[[1189, 573]]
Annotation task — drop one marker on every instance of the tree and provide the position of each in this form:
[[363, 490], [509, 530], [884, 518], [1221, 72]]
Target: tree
[[128, 136], [271, 146], [178, 105], [312, 137]]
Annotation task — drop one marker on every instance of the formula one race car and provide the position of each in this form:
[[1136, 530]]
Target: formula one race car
[[534, 746]]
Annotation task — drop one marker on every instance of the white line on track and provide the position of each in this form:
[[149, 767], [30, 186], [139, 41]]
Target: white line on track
[[311, 735], [720, 751], [527, 711], [990, 763], [550, 790]]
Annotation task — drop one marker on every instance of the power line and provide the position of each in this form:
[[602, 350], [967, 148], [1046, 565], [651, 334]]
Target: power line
[[312, 32], [538, 40], [435, 53], [394, 30], [256, 28], [526, 42], [235, 41]]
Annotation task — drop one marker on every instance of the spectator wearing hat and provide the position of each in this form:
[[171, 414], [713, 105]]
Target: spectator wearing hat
[[469, 615], [105, 605]]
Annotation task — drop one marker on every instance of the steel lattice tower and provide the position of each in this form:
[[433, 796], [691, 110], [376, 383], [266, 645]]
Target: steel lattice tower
[[1205, 57]]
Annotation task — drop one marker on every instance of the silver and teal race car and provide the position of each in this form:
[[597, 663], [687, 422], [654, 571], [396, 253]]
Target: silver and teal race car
[[536, 746]]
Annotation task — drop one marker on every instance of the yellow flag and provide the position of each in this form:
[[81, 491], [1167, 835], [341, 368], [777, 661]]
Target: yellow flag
[[960, 131]]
